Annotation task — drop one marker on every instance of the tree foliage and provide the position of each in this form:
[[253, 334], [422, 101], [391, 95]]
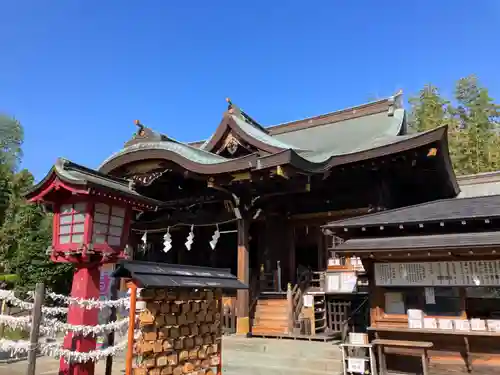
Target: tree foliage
[[473, 121], [11, 140], [25, 229]]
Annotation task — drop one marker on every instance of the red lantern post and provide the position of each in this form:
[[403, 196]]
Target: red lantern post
[[92, 215]]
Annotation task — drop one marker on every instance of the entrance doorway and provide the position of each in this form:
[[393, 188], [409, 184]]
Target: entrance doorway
[[307, 256], [307, 248]]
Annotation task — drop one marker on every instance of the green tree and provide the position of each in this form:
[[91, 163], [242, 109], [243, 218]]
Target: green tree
[[11, 140], [479, 120], [473, 124], [428, 109], [25, 229]]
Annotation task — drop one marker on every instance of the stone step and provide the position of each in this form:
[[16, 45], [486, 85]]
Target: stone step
[[303, 364], [290, 348], [269, 331], [258, 369]]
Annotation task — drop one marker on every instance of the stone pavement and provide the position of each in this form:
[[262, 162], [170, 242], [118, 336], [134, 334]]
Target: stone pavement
[[49, 366], [255, 357], [240, 356]]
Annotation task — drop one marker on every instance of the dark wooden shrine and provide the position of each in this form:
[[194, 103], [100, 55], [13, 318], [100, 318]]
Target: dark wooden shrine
[[268, 190], [434, 277]]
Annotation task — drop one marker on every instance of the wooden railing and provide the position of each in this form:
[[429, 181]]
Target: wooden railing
[[254, 295], [295, 299]]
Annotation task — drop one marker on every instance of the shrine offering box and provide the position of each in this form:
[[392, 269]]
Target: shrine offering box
[[179, 331]]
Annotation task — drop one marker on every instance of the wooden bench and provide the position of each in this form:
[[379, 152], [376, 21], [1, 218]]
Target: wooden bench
[[423, 346]]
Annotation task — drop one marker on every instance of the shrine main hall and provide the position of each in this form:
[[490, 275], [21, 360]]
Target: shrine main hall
[[253, 198]]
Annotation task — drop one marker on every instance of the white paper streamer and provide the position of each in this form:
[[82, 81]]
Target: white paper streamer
[[53, 326], [83, 357], [16, 322], [89, 303], [167, 241], [190, 239], [55, 350], [9, 296]]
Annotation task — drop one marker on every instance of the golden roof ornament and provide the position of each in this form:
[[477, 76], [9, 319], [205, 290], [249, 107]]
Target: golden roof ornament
[[140, 132]]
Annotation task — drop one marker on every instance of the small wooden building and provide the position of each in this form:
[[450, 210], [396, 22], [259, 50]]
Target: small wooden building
[[434, 273], [268, 190]]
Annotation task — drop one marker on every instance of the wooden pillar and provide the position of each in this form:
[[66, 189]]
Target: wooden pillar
[[292, 265], [243, 301], [321, 249]]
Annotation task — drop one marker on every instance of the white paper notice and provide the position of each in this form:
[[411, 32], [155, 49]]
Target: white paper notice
[[333, 282], [430, 297], [308, 300], [356, 365]]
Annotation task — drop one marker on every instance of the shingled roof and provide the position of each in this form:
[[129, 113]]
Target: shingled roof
[[454, 209]]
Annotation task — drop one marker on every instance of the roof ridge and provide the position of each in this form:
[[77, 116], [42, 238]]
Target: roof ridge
[[368, 104]]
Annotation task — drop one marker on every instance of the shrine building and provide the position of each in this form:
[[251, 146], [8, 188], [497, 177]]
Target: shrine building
[[253, 198]]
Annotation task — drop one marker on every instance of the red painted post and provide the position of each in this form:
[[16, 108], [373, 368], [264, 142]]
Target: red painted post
[[85, 285]]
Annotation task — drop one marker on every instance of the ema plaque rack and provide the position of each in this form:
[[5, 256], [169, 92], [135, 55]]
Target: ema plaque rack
[[178, 310]]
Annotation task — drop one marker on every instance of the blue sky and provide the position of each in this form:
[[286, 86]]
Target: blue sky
[[77, 73]]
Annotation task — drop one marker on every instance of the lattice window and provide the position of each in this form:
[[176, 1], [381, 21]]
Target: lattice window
[[72, 223], [108, 224]]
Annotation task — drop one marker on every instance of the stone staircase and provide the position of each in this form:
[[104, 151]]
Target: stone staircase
[[256, 356]]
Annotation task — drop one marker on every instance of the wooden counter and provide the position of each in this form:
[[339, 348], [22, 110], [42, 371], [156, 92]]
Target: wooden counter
[[473, 347], [435, 331]]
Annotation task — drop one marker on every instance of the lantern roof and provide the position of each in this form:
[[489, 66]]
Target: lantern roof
[[78, 179], [150, 274]]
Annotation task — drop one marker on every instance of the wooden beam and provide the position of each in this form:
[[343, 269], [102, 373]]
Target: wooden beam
[[243, 300], [245, 176], [331, 214]]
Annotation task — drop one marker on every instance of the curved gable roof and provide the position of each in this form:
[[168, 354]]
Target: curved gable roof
[[247, 129]]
